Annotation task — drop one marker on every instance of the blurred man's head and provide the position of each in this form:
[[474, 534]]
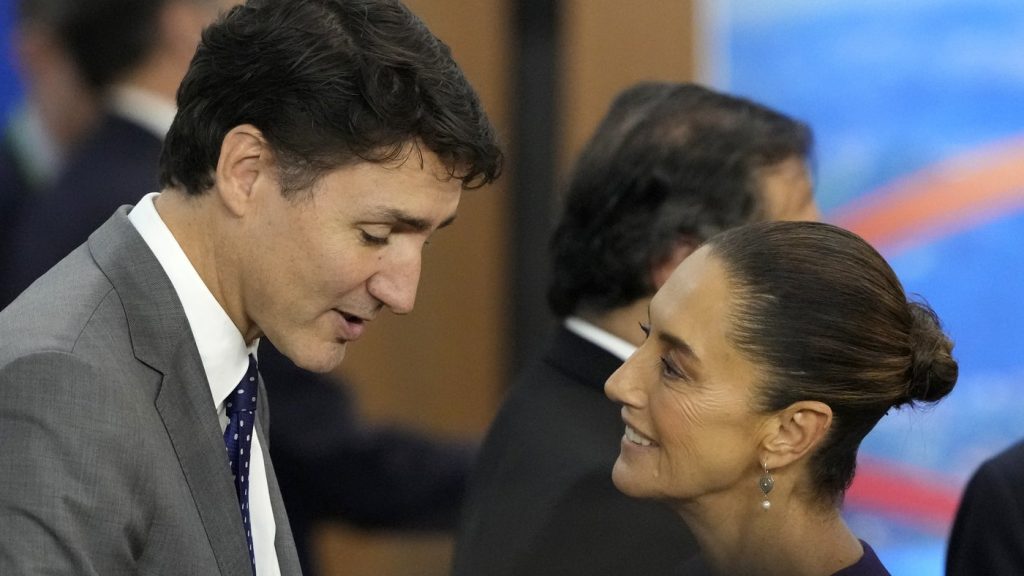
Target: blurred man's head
[[668, 167], [71, 53], [148, 41], [55, 88]]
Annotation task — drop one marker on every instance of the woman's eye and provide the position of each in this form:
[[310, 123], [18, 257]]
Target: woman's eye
[[670, 371], [372, 240]]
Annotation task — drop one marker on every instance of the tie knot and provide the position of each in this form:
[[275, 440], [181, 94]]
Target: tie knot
[[243, 397]]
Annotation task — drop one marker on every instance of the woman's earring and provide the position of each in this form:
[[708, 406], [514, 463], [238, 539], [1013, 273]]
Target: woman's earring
[[766, 483]]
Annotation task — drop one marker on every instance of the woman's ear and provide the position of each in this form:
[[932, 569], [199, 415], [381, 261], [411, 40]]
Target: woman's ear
[[795, 432], [243, 155]]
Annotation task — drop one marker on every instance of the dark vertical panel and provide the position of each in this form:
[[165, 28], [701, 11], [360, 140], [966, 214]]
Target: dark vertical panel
[[533, 160]]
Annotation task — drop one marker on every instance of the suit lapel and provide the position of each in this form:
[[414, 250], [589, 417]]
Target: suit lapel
[[191, 422], [284, 542], [162, 339], [583, 360]]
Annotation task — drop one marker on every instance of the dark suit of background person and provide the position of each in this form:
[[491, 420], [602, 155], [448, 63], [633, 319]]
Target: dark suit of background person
[[13, 190], [668, 166], [120, 334], [17, 184], [115, 165], [334, 468], [330, 466], [56, 111], [988, 533]]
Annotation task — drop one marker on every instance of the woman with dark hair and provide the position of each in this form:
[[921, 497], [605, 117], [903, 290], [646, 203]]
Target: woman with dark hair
[[770, 353]]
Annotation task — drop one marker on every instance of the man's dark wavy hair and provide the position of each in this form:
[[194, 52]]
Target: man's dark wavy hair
[[328, 83], [668, 161]]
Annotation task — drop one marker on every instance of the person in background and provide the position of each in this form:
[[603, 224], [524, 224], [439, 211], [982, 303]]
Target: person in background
[[768, 355], [133, 55], [669, 166], [988, 533], [299, 184], [57, 109], [331, 466], [335, 468]]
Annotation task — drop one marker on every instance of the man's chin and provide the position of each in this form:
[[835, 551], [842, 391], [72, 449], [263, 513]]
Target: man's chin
[[321, 358]]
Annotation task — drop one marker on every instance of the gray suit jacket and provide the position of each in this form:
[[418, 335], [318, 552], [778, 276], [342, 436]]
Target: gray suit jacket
[[112, 459]]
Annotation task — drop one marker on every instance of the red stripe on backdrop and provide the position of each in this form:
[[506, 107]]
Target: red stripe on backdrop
[[915, 496], [946, 198]]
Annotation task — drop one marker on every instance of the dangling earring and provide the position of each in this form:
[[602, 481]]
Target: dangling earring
[[766, 483]]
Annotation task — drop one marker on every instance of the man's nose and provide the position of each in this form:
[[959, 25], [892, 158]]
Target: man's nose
[[396, 285]]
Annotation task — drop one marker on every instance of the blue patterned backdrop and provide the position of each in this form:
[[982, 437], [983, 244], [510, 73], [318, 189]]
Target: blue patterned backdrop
[[918, 110], [9, 90]]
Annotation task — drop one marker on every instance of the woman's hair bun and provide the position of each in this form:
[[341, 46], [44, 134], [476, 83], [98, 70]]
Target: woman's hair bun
[[933, 371]]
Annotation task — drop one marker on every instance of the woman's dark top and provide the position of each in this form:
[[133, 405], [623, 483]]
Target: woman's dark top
[[868, 565]]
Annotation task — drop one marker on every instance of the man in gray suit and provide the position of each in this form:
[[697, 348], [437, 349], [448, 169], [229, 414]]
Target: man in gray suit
[[316, 147]]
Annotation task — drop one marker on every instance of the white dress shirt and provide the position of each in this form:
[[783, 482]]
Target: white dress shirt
[[600, 338], [34, 147], [225, 358], [143, 107]]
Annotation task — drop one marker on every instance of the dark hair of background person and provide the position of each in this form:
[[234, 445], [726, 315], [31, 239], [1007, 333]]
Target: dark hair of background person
[[668, 161], [84, 25], [826, 319], [42, 11], [328, 83]]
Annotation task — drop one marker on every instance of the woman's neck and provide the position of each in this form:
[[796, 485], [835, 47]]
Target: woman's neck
[[794, 537]]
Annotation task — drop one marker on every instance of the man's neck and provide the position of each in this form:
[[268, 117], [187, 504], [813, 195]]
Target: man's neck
[[209, 249]]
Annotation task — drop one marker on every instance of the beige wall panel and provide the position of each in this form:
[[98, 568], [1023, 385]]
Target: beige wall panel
[[345, 552], [611, 44]]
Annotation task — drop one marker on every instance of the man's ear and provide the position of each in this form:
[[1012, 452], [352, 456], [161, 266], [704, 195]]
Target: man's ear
[[244, 154], [795, 432], [681, 249]]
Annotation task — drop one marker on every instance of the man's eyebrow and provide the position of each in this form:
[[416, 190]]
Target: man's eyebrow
[[409, 221]]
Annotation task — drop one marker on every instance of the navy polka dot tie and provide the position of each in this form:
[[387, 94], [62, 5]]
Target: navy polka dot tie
[[240, 407]]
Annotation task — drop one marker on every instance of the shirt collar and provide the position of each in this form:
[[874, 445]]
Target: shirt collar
[[35, 149], [222, 349], [143, 107], [600, 338]]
